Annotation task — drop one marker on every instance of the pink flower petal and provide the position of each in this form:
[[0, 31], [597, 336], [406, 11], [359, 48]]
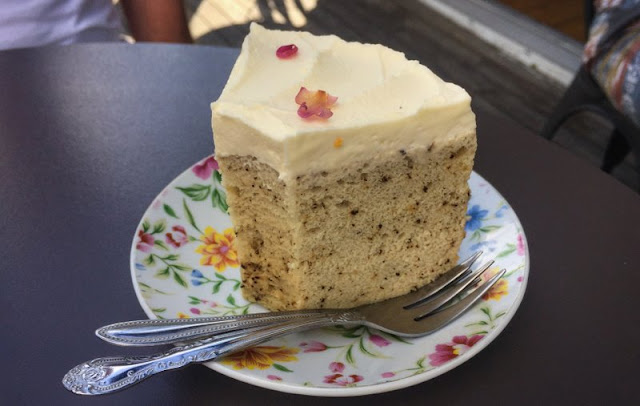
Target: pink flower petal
[[336, 367], [356, 378], [313, 346], [204, 169], [520, 245], [388, 374], [143, 247], [437, 359], [331, 378], [460, 339], [287, 51], [314, 103], [474, 339], [379, 340]]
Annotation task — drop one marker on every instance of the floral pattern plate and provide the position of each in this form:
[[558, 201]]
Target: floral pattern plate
[[184, 264]]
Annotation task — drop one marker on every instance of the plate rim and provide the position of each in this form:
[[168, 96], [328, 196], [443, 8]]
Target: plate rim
[[358, 390]]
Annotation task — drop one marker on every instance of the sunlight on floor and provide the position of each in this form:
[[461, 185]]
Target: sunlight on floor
[[217, 14]]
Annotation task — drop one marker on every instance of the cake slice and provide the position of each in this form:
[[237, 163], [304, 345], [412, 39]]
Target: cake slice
[[338, 203]]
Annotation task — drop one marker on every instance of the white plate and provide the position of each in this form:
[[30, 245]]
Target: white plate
[[171, 281]]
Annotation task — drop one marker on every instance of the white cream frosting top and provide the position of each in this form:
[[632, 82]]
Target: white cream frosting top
[[384, 101]]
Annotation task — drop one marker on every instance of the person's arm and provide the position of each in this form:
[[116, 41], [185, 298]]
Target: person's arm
[[157, 20]]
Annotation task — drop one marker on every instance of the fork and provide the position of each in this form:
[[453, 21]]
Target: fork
[[415, 314], [172, 331]]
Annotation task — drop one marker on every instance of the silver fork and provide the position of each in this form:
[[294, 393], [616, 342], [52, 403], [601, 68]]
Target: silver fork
[[414, 314]]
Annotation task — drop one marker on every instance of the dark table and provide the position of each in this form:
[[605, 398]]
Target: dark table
[[89, 134]]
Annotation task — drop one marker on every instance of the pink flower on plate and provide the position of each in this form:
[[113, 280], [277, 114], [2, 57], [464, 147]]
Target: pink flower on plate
[[178, 237], [313, 346], [520, 246], [337, 378], [194, 310], [341, 380], [146, 241], [388, 374], [458, 346], [274, 377], [379, 340], [204, 169]]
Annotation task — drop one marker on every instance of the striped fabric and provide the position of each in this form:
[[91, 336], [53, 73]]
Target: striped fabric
[[612, 53]]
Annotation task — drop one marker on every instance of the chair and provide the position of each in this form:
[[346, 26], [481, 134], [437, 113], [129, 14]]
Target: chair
[[586, 94]]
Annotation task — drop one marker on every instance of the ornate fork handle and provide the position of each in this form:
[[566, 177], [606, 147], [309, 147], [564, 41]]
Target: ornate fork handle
[[110, 374], [158, 332]]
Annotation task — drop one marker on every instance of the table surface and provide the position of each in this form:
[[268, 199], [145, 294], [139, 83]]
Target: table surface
[[89, 134]]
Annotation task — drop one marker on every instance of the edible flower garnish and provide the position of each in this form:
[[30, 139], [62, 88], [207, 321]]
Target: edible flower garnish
[[287, 51], [315, 103]]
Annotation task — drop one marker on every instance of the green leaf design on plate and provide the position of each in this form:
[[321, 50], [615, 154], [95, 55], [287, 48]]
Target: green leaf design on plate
[[189, 215], [179, 279], [196, 191], [395, 337], [488, 229], [159, 226], [281, 368], [216, 287], [164, 273], [349, 356], [231, 300], [364, 349], [217, 176], [219, 200], [182, 267], [149, 261], [169, 210], [510, 248], [161, 244], [145, 225]]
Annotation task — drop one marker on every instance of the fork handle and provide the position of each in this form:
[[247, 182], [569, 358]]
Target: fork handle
[[111, 374], [171, 331]]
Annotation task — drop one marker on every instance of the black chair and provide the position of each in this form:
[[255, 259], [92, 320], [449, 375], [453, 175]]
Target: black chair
[[584, 94]]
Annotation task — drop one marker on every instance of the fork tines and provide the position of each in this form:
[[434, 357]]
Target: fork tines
[[441, 295]]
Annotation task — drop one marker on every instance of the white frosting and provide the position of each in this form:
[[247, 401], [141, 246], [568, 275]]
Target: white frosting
[[385, 102]]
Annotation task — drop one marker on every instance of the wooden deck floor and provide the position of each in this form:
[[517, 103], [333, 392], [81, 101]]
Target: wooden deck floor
[[496, 82], [566, 16]]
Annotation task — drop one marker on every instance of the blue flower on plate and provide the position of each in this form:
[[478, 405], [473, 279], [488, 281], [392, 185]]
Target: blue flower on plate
[[501, 210], [196, 274], [140, 267], [197, 277], [474, 218]]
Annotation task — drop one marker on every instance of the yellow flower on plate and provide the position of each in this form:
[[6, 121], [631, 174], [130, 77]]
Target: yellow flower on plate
[[501, 288], [183, 316], [261, 357], [218, 249]]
